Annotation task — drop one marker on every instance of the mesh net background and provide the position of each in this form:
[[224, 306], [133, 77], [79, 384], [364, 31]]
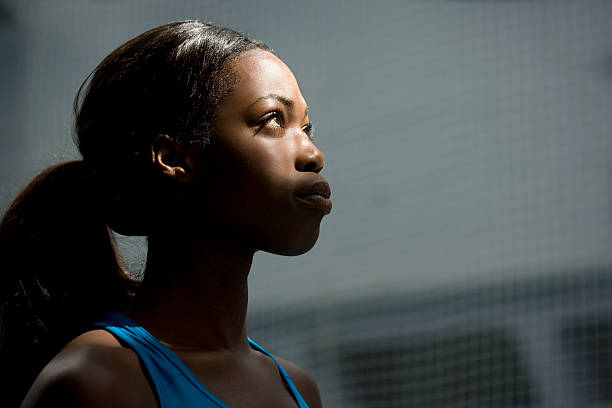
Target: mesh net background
[[468, 258]]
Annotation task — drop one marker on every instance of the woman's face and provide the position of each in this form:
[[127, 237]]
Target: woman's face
[[261, 173]]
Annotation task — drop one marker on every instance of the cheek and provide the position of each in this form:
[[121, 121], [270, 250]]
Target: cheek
[[242, 189], [256, 172]]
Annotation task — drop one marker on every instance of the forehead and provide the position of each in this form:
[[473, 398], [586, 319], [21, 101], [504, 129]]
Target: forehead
[[260, 73]]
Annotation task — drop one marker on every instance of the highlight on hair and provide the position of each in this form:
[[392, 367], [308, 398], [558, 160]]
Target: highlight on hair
[[59, 269]]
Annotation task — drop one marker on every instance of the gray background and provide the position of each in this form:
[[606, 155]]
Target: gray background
[[467, 144]]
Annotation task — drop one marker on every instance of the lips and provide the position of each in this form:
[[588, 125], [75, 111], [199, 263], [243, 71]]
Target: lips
[[316, 195], [320, 188]]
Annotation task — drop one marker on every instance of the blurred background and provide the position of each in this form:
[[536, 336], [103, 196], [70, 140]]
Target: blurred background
[[468, 258]]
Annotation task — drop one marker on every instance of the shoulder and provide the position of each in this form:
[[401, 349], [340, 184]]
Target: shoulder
[[93, 370], [304, 382]]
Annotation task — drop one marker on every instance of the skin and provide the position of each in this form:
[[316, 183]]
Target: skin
[[235, 198]]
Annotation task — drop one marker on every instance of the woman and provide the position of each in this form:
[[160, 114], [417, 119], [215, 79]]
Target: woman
[[199, 138]]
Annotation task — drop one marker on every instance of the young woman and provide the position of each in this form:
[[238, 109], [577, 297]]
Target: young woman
[[199, 138]]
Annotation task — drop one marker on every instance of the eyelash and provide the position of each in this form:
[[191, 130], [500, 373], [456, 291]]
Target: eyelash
[[278, 115]]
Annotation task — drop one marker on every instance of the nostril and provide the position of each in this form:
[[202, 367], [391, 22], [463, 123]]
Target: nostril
[[310, 166]]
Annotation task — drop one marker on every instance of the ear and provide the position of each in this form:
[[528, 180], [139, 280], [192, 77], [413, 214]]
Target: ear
[[172, 158]]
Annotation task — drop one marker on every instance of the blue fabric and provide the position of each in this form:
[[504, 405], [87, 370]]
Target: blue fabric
[[173, 383]]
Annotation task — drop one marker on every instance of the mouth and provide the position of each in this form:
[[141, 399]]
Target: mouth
[[317, 196]]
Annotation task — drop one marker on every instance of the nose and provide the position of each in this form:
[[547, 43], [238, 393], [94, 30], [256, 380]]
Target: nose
[[310, 158]]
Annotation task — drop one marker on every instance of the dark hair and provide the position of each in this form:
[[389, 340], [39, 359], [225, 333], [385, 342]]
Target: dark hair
[[59, 267]]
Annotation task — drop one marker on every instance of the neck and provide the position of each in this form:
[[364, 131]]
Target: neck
[[194, 295]]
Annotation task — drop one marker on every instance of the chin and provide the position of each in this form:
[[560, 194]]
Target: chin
[[294, 245]]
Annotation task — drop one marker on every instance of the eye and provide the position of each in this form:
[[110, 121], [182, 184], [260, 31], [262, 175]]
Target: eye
[[274, 119], [308, 130]]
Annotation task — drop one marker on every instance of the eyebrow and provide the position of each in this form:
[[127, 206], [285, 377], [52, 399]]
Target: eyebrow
[[285, 101]]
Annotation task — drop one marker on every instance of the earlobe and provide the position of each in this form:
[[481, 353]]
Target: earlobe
[[172, 158]]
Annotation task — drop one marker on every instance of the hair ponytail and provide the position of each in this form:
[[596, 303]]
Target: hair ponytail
[[58, 271]]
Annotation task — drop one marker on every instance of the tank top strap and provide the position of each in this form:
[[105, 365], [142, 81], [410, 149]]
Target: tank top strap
[[286, 378], [173, 382]]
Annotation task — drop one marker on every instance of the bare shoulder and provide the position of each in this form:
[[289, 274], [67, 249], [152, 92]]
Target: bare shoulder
[[304, 382], [93, 370]]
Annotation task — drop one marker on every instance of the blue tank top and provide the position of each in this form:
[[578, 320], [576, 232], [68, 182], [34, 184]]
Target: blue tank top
[[174, 384]]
